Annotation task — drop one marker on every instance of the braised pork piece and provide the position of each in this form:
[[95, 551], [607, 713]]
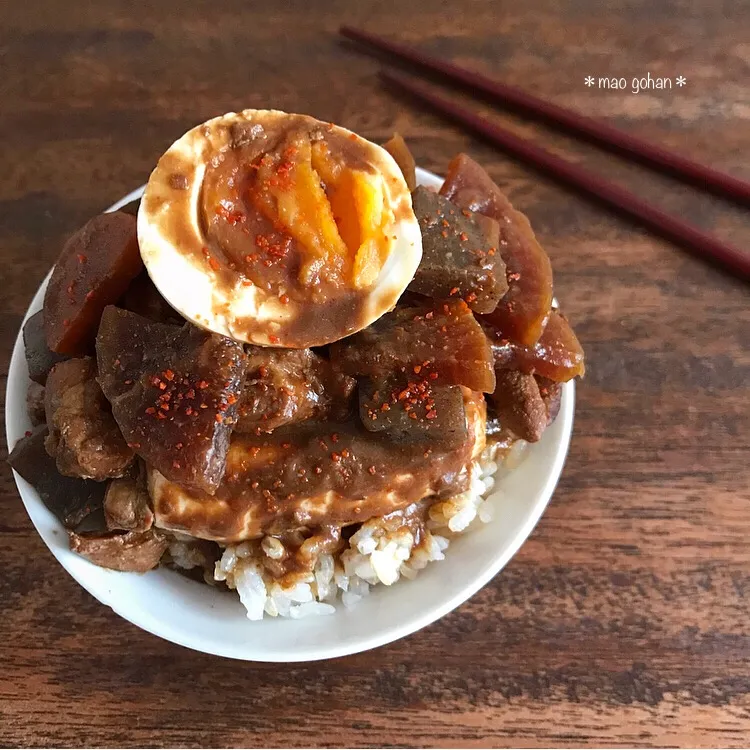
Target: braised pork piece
[[172, 433]]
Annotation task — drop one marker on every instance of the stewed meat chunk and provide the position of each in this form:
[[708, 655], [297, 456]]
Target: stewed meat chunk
[[283, 386], [83, 437]]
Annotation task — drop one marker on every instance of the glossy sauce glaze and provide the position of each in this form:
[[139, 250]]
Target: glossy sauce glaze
[[309, 475]]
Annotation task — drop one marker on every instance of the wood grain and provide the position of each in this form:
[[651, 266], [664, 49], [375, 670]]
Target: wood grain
[[623, 620]]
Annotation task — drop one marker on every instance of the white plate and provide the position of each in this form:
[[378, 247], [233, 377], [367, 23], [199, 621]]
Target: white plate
[[200, 617]]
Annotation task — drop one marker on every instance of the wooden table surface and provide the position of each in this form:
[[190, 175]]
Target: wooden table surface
[[624, 618]]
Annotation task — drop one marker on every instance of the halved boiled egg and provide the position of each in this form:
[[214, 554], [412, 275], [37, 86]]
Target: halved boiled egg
[[278, 229]]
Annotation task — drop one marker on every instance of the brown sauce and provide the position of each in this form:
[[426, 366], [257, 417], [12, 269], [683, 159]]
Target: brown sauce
[[259, 228], [306, 476]]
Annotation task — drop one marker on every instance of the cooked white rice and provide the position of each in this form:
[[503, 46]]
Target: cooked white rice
[[376, 554]]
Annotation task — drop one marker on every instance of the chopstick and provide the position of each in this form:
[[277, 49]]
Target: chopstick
[[699, 242], [595, 130]]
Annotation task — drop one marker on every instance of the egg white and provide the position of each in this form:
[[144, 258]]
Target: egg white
[[167, 213]]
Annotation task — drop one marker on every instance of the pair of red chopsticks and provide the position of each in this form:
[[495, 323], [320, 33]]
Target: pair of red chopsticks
[[690, 237]]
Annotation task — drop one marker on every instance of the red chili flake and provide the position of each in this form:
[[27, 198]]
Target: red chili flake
[[204, 250], [466, 213], [318, 470], [231, 217], [471, 297], [203, 384], [430, 315], [214, 264], [443, 233], [491, 251], [284, 299], [345, 453], [452, 292], [128, 382], [151, 410], [336, 457], [286, 445], [161, 415], [273, 339], [372, 470], [189, 411], [385, 407], [417, 369], [254, 485], [168, 374], [81, 258], [164, 406], [162, 386], [412, 415], [433, 376], [176, 464], [463, 236], [445, 223], [179, 446], [219, 418], [447, 309], [66, 322], [431, 414], [247, 282], [514, 276], [443, 329], [27, 433]]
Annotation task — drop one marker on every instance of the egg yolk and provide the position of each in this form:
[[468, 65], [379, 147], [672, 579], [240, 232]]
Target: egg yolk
[[337, 214]]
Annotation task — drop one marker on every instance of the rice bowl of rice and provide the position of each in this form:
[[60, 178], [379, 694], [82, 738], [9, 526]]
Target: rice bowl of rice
[[390, 579]]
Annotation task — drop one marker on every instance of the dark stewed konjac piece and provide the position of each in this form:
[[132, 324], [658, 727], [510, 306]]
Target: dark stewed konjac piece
[[283, 386], [522, 313], [35, 404], [39, 357], [174, 393], [94, 269], [459, 253], [143, 298], [71, 500], [443, 340], [83, 435], [557, 355], [414, 410], [398, 149]]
